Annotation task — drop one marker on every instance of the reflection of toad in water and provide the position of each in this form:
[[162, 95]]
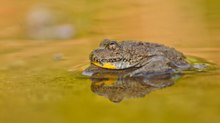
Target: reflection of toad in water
[[117, 88]]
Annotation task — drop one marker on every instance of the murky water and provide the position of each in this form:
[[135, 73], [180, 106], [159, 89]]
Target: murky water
[[41, 81]]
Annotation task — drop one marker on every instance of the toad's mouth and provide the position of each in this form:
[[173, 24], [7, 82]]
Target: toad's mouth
[[105, 65], [111, 63]]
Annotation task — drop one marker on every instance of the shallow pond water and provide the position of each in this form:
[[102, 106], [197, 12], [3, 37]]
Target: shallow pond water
[[41, 81]]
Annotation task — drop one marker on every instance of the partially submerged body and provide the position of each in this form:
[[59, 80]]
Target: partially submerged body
[[134, 58]]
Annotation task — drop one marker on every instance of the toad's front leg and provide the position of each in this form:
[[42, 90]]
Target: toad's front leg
[[156, 65]]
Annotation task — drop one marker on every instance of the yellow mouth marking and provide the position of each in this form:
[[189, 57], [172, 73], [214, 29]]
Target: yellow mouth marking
[[105, 65]]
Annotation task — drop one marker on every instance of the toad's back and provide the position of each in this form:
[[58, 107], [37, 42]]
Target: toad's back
[[147, 50]]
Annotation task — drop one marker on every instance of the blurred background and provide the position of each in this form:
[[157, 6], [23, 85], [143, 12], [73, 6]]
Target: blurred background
[[45, 45]]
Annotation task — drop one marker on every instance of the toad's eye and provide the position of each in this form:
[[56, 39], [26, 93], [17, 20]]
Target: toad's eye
[[112, 46]]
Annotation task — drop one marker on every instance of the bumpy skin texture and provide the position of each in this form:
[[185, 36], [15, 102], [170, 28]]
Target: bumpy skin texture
[[145, 57]]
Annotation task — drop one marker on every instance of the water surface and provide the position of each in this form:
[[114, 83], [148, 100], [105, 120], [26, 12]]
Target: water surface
[[35, 86]]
